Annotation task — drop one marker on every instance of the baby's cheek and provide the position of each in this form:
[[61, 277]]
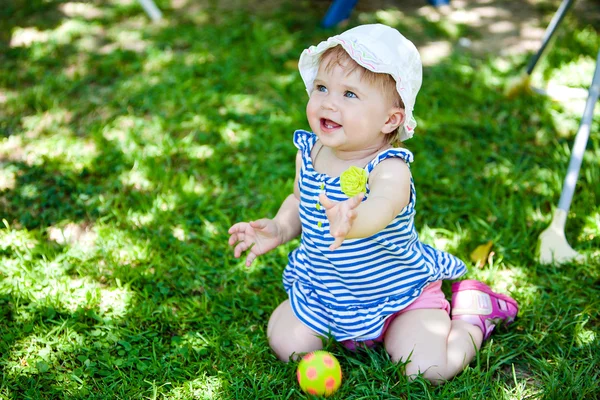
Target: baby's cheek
[[311, 107], [311, 113]]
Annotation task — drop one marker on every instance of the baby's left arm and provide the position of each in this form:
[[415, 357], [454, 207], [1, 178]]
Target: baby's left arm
[[390, 193]]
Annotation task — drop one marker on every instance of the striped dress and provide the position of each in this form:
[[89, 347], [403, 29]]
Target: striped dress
[[349, 292]]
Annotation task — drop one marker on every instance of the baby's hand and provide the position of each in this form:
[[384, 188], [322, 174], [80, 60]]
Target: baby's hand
[[258, 237], [341, 216]]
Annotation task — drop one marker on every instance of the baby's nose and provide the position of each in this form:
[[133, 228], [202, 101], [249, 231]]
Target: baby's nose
[[329, 103]]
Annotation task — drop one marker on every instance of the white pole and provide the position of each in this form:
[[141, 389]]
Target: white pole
[[151, 9]]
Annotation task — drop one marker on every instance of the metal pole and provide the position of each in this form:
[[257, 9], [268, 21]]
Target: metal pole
[[581, 139], [556, 19], [151, 9]]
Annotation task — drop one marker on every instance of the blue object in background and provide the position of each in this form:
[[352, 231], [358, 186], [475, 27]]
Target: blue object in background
[[340, 10], [437, 3]]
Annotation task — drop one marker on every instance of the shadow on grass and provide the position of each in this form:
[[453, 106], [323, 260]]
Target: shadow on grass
[[40, 14]]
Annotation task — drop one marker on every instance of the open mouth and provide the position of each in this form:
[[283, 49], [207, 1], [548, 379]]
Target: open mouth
[[329, 125]]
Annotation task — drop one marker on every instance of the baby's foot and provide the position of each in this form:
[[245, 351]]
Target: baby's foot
[[475, 303]]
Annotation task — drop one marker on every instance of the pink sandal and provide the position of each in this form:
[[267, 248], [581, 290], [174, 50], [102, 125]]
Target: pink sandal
[[475, 303]]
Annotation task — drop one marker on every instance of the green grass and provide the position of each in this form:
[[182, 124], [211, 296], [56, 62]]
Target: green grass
[[128, 149]]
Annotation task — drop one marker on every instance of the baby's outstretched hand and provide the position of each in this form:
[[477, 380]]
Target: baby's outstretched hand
[[258, 237], [341, 216]]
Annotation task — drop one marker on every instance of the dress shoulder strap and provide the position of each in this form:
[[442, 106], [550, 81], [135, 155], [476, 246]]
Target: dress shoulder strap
[[404, 154], [304, 140]]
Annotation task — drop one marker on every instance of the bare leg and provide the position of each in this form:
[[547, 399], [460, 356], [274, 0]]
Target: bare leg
[[434, 345], [288, 336]]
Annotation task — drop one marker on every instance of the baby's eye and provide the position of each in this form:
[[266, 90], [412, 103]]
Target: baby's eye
[[350, 94], [321, 88]]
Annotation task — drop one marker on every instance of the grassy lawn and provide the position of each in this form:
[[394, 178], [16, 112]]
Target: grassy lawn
[[127, 149]]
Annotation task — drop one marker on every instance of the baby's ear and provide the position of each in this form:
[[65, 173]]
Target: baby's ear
[[396, 118]]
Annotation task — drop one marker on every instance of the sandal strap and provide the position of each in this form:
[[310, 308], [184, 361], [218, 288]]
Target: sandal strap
[[475, 303], [472, 302]]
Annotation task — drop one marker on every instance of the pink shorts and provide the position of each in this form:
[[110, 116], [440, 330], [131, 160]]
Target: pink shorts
[[432, 297]]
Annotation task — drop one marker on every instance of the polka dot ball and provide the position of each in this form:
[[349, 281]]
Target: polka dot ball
[[319, 373]]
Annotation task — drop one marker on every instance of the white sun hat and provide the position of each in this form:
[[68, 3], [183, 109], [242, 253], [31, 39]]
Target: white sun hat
[[380, 49]]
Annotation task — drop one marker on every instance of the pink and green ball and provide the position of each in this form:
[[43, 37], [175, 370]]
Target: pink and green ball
[[319, 373]]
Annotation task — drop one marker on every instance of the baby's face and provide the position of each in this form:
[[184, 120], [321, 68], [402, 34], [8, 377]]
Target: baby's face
[[345, 112]]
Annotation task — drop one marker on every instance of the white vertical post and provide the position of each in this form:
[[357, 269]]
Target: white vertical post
[[151, 9]]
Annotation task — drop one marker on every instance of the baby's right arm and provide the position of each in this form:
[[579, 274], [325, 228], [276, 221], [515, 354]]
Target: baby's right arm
[[263, 235], [288, 216]]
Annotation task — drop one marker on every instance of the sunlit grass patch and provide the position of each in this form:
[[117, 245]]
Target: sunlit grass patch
[[443, 239], [137, 136], [26, 36], [17, 240], [122, 249], [205, 387], [81, 9], [234, 134]]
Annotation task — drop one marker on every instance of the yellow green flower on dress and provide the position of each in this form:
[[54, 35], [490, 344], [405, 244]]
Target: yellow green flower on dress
[[354, 181]]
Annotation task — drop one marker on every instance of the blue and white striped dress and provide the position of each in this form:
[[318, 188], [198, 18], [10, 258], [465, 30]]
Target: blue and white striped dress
[[349, 292]]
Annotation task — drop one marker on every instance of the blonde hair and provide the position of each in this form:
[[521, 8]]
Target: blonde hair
[[384, 82]]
